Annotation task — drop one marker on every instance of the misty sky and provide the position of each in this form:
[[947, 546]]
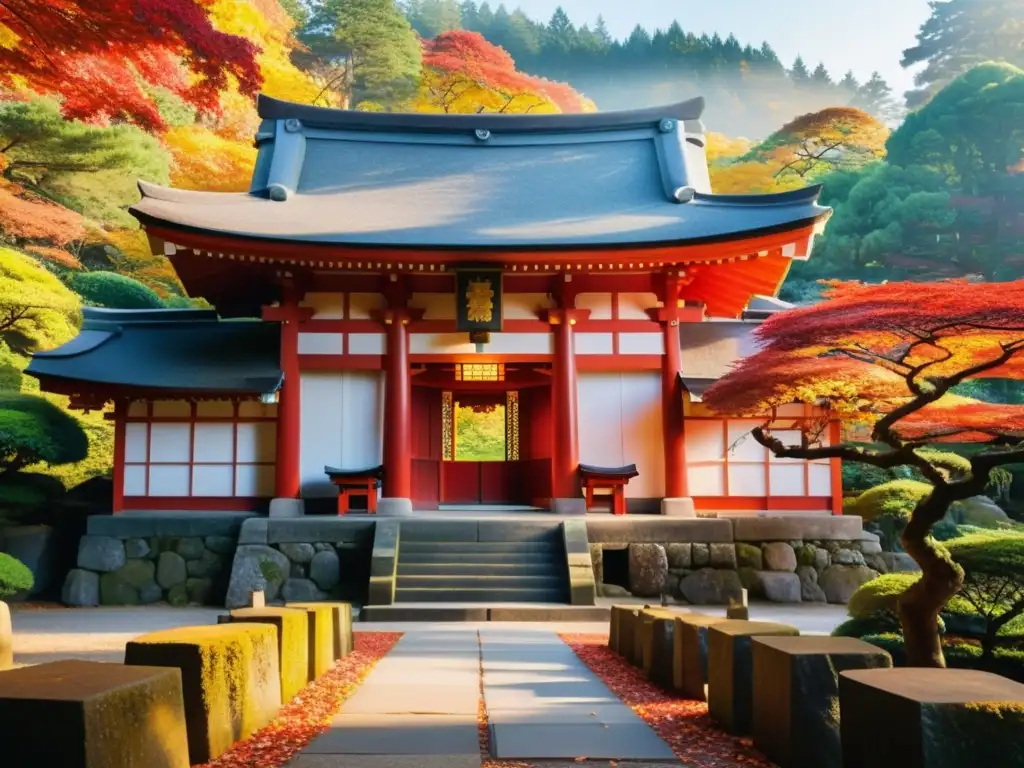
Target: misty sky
[[864, 35]]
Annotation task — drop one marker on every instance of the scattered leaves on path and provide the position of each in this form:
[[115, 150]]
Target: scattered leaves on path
[[684, 725], [309, 714]]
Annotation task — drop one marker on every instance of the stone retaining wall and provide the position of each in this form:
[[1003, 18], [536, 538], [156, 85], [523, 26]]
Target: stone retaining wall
[[301, 560], [138, 559], [785, 559]]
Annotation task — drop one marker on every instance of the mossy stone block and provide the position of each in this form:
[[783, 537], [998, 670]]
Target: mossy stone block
[[930, 718], [292, 643], [230, 679], [690, 654], [114, 590], [177, 596], [627, 634], [137, 572], [88, 714], [321, 636], [796, 696], [615, 626], [731, 670], [656, 628], [342, 622]]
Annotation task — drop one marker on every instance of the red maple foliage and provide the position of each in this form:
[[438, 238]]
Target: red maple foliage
[[684, 725], [892, 355], [98, 55], [464, 59]]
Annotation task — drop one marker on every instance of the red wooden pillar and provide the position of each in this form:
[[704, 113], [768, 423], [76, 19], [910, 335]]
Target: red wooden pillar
[[289, 404], [397, 406], [120, 435], [672, 395], [565, 455]]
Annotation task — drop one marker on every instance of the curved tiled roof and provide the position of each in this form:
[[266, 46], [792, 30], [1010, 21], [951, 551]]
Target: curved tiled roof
[[167, 350]]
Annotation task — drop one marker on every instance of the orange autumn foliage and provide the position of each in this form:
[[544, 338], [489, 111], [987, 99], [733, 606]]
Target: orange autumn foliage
[[897, 348], [56, 256], [205, 161], [27, 218]]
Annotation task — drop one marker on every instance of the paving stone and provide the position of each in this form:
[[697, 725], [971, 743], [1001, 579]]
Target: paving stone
[[416, 697], [398, 735], [567, 714], [598, 741], [386, 761]]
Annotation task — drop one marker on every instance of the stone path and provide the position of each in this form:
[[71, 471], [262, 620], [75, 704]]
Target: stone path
[[418, 708]]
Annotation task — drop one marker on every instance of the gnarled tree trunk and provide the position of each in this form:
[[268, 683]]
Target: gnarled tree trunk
[[940, 580]]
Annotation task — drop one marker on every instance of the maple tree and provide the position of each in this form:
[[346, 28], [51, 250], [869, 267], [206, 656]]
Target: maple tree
[[891, 355], [105, 57], [466, 74], [838, 138]]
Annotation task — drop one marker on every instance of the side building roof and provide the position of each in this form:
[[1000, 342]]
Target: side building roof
[[329, 177], [169, 350]]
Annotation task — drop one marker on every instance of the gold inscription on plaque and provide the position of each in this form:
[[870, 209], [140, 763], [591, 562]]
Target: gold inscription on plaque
[[479, 301]]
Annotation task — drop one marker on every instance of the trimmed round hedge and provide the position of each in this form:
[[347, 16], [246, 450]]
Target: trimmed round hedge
[[14, 576], [114, 291], [882, 594], [897, 499]]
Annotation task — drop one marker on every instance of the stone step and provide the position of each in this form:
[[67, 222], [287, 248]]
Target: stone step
[[490, 547], [478, 595], [483, 612], [472, 558], [518, 568], [448, 581]]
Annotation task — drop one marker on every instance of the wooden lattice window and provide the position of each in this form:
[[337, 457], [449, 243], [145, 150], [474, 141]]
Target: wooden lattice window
[[480, 372]]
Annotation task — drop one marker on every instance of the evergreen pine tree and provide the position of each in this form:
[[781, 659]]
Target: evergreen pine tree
[[799, 74], [821, 77]]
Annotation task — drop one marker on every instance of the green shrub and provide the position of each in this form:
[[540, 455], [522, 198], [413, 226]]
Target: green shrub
[[14, 576], [879, 624], [32, 430], [862, 477], [891, 642], [896, 499], [114, 291], [881, 595], [993, 563]]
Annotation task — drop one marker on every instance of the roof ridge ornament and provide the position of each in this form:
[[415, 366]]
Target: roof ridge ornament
[[684, 194]]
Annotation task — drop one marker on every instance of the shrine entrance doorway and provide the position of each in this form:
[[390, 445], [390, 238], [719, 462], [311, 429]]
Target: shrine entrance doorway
[[482, 462], [481, 442]]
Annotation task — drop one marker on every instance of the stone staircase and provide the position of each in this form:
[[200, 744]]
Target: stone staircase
[[526, 565]]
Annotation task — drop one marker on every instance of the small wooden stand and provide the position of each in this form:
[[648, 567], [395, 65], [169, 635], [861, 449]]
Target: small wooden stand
[[594, 478], [360, 482]]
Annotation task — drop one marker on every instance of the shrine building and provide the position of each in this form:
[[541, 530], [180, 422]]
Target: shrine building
[[575, 273]]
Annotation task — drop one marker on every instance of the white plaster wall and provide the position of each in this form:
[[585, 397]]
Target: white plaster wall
[[641, 344], [360, 305], [325, 306], [342, 425], [524, 306], [599, 304], [709, 349], [705, 447], [367, 344], [634, 306], [436, 306], [620, 423], [594, 343], [321, 343]]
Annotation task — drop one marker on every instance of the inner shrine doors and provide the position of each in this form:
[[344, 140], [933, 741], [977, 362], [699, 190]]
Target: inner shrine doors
[[487, 447]]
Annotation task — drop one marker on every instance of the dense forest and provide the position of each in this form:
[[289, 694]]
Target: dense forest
[[750, 92], [97, 94]]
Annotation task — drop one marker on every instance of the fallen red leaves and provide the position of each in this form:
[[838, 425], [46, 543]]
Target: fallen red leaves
[[684, 725], [307, 715]]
